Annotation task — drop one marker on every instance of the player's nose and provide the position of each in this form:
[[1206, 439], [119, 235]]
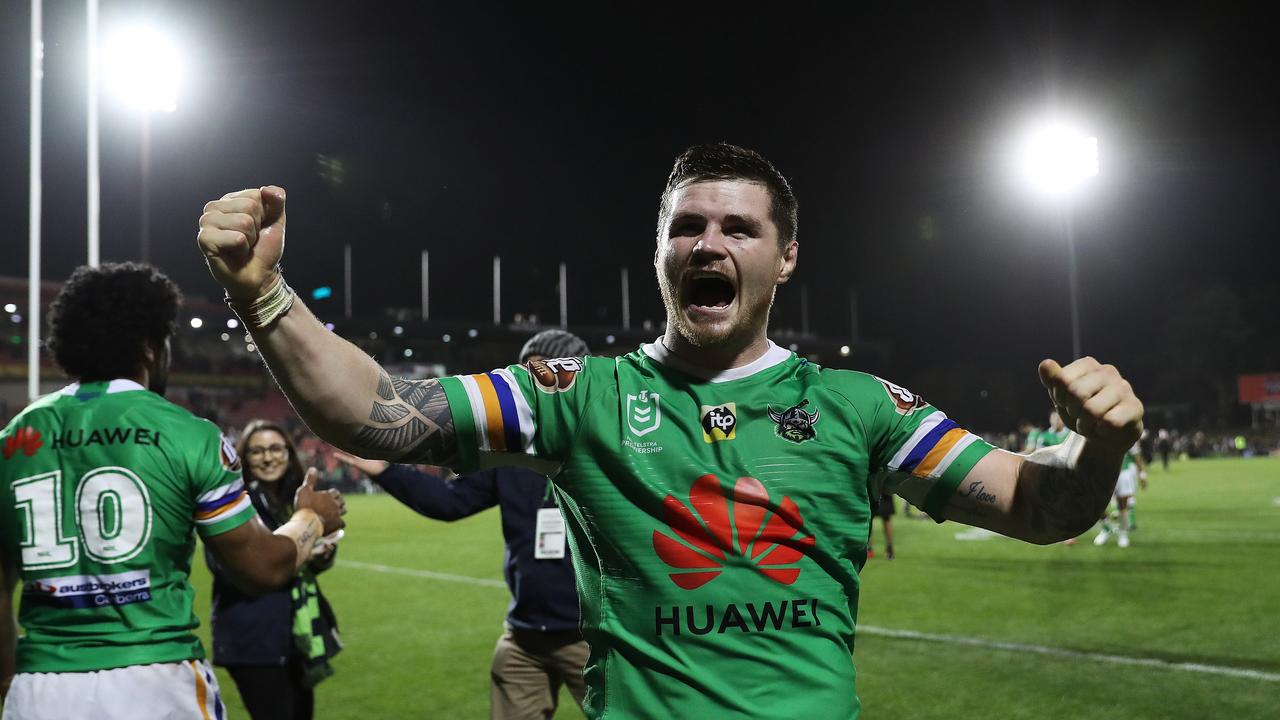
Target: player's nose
[[711, 243]]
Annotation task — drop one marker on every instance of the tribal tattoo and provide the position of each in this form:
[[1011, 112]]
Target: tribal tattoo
[[1062, 499], [409, 421]]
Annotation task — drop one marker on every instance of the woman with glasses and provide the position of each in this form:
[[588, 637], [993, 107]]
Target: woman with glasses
[[275, 646]]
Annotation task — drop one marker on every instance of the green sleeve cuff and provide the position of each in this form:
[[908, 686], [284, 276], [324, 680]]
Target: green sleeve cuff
[[936, 501], [228, 524], [464, 425]]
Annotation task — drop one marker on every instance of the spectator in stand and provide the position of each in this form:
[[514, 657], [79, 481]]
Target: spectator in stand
[[542, 647], [276, 646]]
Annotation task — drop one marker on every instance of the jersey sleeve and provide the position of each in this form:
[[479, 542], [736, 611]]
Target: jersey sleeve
[[917, 452], [221, 502], [524, 415]]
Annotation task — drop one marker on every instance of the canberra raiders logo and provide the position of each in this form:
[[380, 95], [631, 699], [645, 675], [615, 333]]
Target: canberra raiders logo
[[794, 423]]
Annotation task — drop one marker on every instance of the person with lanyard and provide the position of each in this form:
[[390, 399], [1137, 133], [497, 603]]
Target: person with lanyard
[[542, 648], [275, 645]]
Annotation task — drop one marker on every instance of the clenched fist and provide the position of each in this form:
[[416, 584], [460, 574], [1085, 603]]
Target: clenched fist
[[1094, 401], [242, 238]]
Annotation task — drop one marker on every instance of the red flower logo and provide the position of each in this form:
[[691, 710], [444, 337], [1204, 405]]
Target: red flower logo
[[770, 535], [25, 439]]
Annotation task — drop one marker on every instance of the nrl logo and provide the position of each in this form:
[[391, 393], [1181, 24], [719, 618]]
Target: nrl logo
[[794, 423], [644, 413]]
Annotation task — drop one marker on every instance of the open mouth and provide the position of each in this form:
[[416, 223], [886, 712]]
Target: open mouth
[[711, 292]]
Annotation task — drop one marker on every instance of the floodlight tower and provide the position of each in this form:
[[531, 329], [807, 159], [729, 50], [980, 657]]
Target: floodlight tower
[[143, 68], [1056, 160]]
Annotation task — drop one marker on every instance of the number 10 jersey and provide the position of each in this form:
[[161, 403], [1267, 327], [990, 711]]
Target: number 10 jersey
[[102, 487]]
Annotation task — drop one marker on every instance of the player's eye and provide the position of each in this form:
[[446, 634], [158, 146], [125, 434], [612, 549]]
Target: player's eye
[[687, 228]]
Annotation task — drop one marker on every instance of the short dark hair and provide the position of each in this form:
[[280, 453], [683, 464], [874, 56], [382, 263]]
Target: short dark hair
[[102, 319], [722, 161]]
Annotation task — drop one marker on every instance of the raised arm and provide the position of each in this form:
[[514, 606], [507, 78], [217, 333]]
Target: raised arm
[[343, 395], [429, 495], [1057, 493]]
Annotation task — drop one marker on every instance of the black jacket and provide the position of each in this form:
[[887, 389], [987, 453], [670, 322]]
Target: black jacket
[[543, 597], [254, 629]]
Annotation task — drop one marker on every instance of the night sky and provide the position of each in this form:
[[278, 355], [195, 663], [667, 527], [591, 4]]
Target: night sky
[[544, 135]]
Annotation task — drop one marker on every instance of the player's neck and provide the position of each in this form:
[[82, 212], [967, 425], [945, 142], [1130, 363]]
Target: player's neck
[[724, 356]]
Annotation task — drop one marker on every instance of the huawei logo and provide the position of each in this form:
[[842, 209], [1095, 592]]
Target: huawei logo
[[710, 529], [25, 439]]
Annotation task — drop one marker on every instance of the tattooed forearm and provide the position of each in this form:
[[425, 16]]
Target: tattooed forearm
[[1060, 499], [414, 423], [979, 494]]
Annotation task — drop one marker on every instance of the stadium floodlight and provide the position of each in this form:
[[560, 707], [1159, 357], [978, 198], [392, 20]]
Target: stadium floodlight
[[1055, 159], [10, 308], [196, 323], [232, 323], [844, 351], [143, 68]]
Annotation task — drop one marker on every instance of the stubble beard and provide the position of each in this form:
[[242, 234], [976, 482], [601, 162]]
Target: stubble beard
[[739, 328]]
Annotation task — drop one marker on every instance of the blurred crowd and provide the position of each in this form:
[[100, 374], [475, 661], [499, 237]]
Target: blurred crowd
[[1167, 444]]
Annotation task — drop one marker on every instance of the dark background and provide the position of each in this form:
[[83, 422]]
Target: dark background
[[544, 134]]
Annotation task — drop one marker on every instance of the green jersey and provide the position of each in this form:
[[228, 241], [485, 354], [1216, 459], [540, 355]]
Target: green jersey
[[102, 488], [718, 521], [1047, 437]]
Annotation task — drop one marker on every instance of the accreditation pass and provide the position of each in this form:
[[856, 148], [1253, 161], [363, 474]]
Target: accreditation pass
[[549, 535]]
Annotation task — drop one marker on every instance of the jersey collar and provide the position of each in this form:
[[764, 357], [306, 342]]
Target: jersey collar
[[115, 386], [658, 352]]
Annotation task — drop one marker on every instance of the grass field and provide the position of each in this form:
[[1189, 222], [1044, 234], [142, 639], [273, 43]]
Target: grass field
[[1200, 585]]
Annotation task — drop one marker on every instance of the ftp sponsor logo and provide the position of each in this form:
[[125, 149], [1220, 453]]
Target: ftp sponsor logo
[[768, 535], [25, 440], [719, 422], [753, 617]]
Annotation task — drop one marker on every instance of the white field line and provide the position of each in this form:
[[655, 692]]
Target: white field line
[[428, 574], [1071, 654], [906, 634]]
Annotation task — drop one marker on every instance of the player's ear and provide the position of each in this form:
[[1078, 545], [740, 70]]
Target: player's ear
[[790, 255]]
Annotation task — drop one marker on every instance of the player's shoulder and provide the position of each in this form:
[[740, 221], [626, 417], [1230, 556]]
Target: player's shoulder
[[187, 431], [864, 389]]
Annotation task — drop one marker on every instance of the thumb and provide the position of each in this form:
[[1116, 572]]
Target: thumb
[[272, 205], [1050, 370], [309, 480]]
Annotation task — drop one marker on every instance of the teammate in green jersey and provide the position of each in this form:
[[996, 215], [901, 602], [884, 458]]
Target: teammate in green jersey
[[1055, 434], [103, 486], [716, 487], [1133, 471]]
